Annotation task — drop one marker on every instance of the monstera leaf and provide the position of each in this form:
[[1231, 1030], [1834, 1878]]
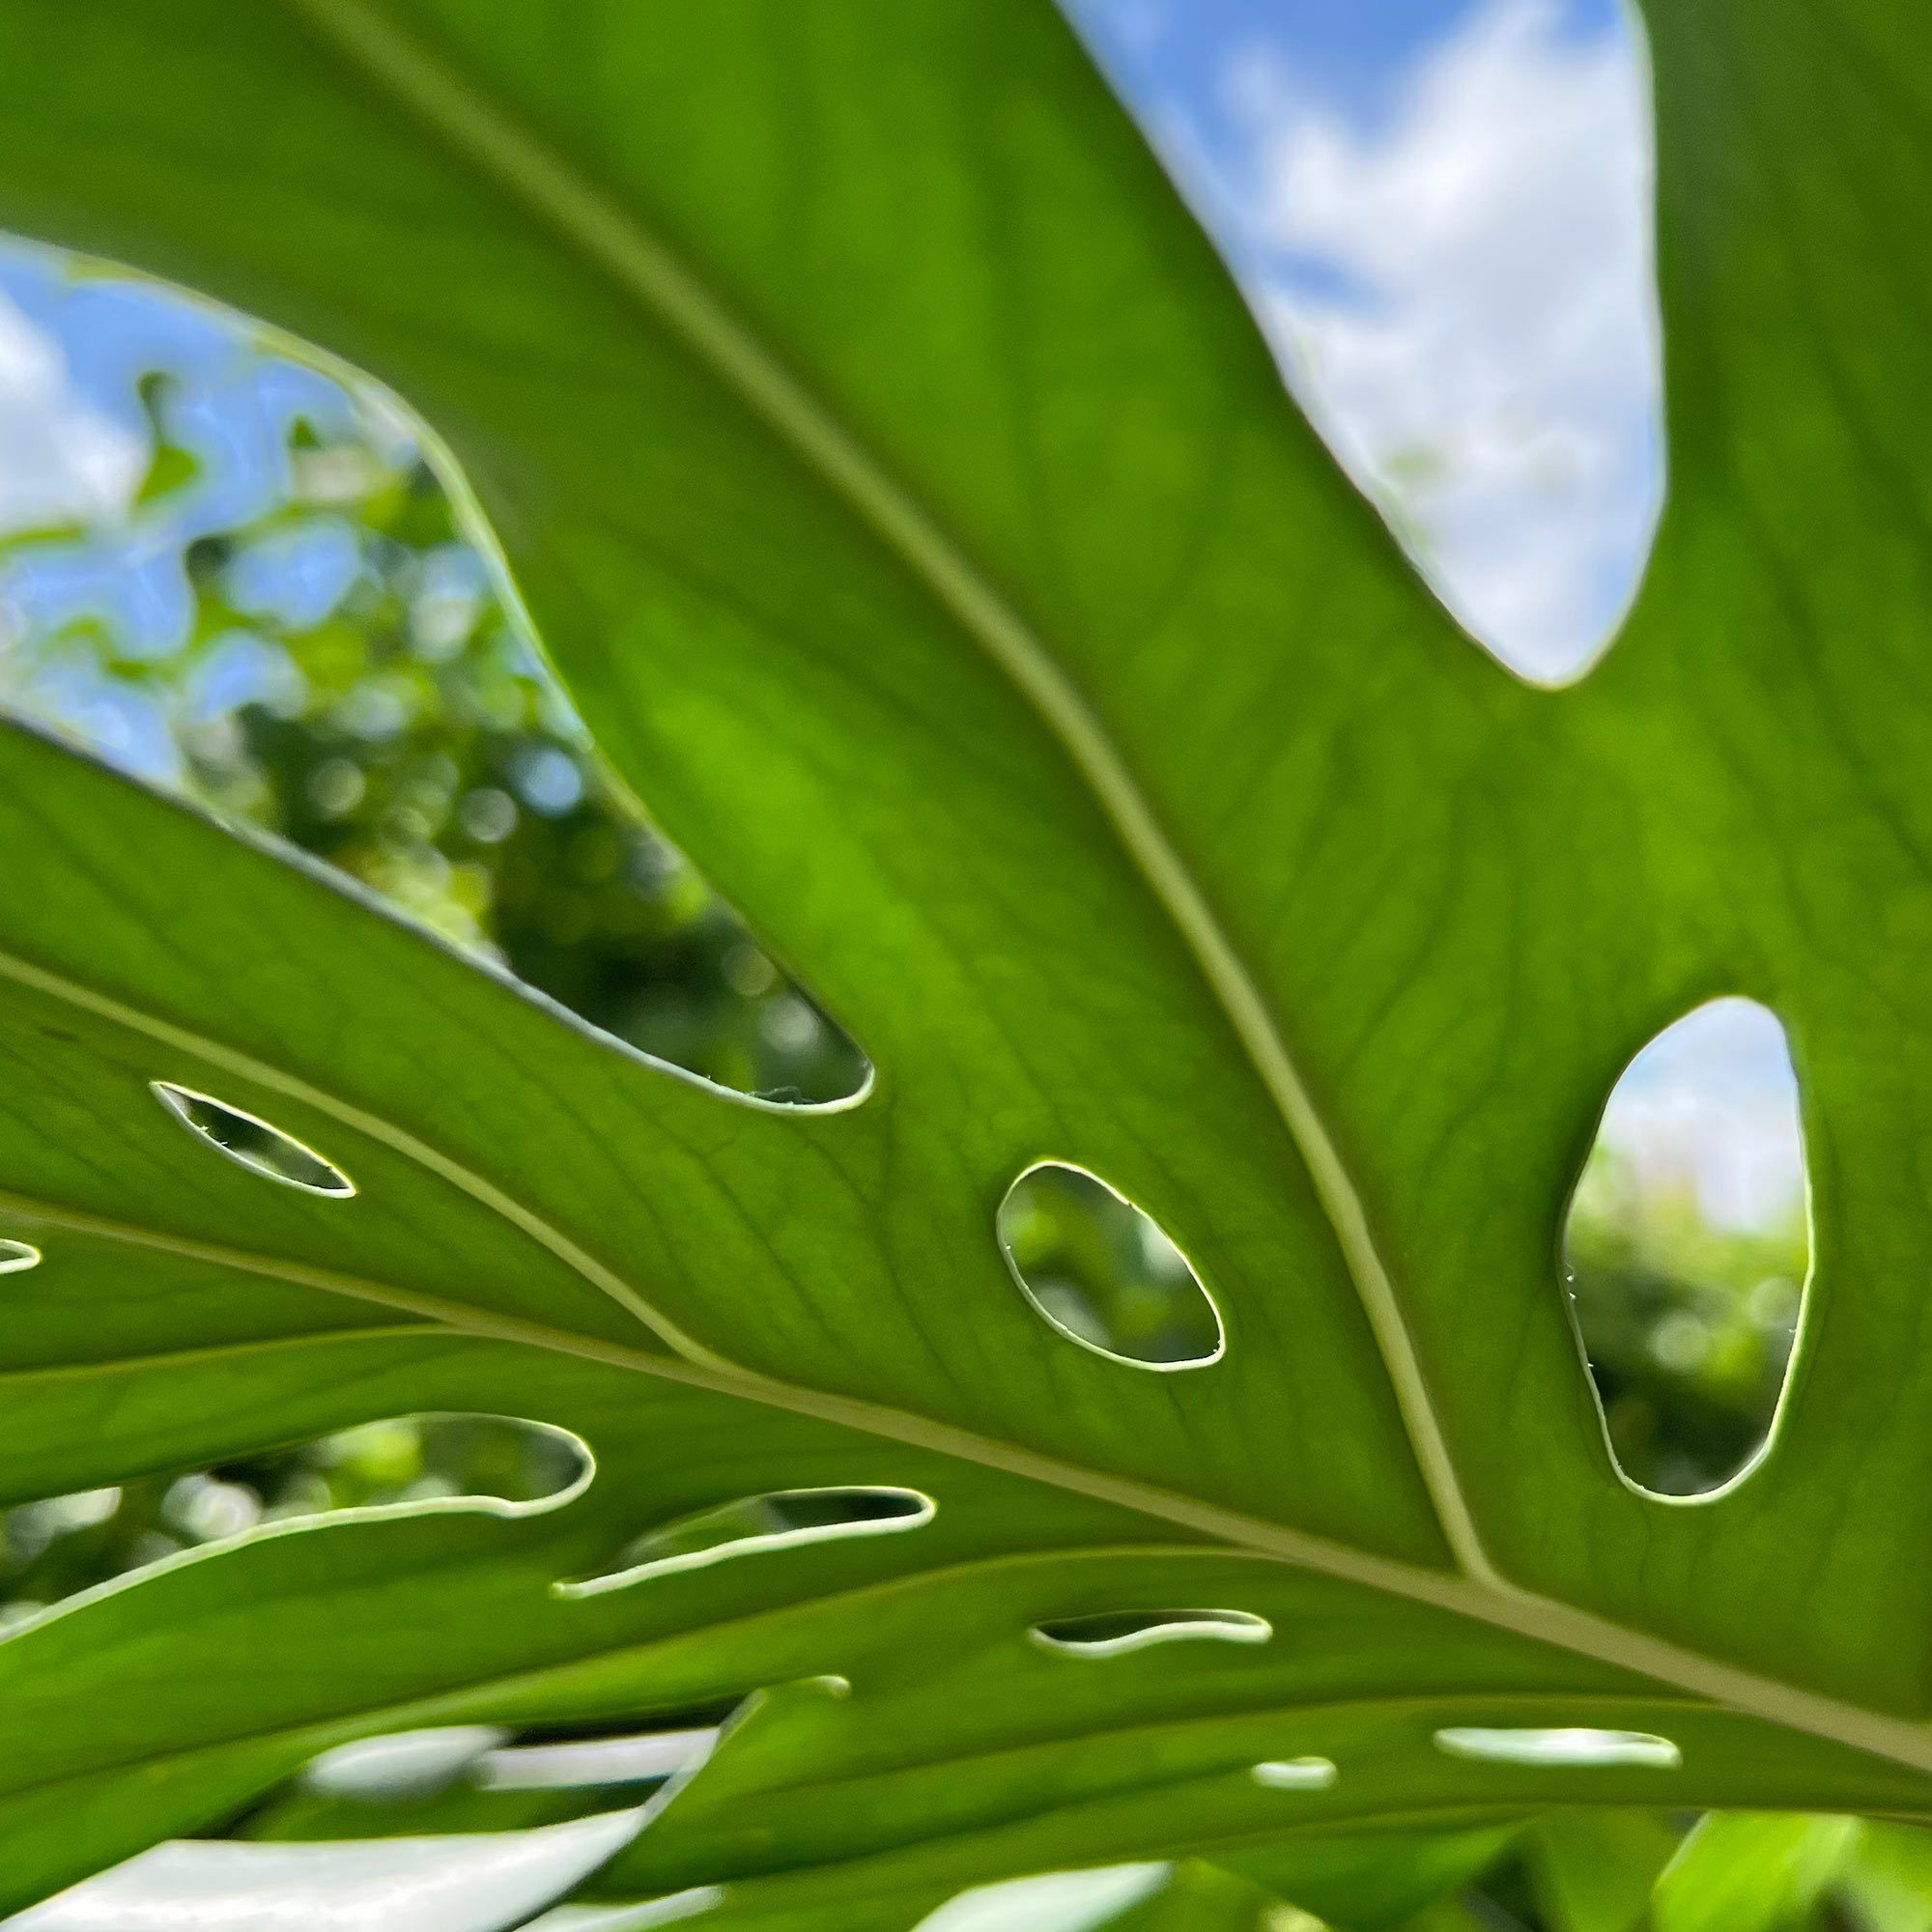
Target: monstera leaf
[[897, 482]]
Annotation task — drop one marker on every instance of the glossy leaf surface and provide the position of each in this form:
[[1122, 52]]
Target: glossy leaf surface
[[902, 490]]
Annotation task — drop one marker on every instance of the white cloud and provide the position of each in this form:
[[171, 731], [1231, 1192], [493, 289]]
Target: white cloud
[[1492, 373], [61, 459]]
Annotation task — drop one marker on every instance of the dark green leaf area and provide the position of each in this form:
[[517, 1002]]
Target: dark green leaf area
[[953, 1723], [1377, 1879]]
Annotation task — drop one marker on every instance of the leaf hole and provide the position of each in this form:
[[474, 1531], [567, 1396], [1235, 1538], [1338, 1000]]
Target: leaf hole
[[250, 1142], [16, 1257], [56, 1548], [1687, 1250], [1576, 1745], [408, 1767], [575, 1764], [778, 1519], [1104, 1273], [1295, 1774], [1116, 1633]]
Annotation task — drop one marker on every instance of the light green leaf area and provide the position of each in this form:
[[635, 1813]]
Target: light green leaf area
[[912, 509], [1888, 1875], [1747, 1873]]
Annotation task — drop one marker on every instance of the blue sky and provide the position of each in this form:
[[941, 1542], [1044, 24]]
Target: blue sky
[[1439, 212], [1354, 53]]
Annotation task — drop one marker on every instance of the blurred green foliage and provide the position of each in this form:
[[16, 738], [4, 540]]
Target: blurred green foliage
[[1099, 1268], [51, 1550], [1687, 1326]]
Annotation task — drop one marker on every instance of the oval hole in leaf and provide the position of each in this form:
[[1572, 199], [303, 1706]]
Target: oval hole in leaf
[[250, 1142], [1576, 1745], [1295, 1774], [576, 1763], [1687, 1250], [1116, 1633], [1104, 1273], [503, 1465], [18, 1255], [779, 1520]]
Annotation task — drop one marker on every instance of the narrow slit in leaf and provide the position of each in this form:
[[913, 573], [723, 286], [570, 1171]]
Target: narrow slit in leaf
[[54, 1549], [1575, 1745], [1116, 1633], [1295, 1774], [402, 1767], [405, 1766], [250, 1142], [1688, 1249], [1104, 1273], [779, 1520], [16, 1257], [581, 1763]]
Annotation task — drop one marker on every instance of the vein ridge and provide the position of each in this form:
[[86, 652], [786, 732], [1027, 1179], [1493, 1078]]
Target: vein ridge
[[1505, 1608], [245, 1066]]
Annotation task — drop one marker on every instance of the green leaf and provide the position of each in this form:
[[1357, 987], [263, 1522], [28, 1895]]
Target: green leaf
[[1593, 1870], [1370, 1880], [1888, 1874], [1199, 1898], [1744, 1873], [918, 521]]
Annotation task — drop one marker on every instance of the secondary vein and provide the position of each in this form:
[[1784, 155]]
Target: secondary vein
[[1506, 1608], [607, 1280]]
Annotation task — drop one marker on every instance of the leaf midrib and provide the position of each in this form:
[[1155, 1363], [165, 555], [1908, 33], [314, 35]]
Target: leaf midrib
[[617, 244]]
